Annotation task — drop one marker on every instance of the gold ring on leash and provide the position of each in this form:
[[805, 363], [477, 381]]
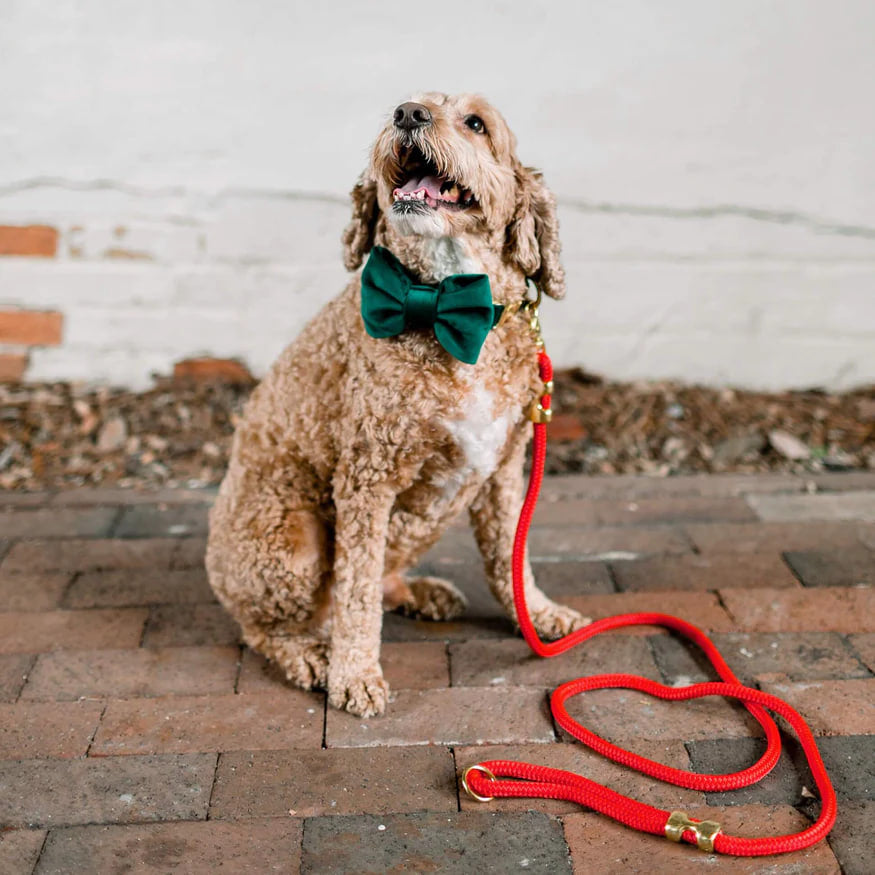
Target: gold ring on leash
[[468, 790]]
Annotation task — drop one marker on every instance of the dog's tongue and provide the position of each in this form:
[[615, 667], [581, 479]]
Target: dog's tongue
[[432, 185]]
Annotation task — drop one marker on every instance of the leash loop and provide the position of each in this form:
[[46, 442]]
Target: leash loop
[[531, 780]]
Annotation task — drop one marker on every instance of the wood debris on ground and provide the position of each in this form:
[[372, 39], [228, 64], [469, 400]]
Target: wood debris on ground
[[60, 435]]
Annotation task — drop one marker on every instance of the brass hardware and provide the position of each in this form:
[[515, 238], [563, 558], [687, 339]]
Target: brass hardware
[[528, 303], [540, 414], [508, 311], [704, 830], [548, 387], [468, 790]]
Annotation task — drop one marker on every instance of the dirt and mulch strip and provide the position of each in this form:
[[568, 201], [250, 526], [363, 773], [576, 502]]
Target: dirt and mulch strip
[[60, 435]]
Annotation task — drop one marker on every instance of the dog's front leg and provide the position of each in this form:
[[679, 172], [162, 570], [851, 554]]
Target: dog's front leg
[[494, 516], [355, 679]]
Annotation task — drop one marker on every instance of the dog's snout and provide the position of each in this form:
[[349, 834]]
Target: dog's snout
[[411, 115]]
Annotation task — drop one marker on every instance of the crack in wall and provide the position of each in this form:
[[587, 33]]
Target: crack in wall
[[715, 211], [757, 214]]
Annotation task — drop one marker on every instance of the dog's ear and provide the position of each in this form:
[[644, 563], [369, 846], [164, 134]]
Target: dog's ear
[[358, 237], [533, 233]]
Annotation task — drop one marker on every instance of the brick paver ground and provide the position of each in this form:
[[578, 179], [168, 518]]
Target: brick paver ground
[[138, 735]]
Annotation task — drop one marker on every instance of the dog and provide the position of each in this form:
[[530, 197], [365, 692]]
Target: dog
[[357, 451]]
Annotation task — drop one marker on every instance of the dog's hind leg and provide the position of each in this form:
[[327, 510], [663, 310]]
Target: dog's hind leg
[[428, 598], [303, 658], [270, 567]]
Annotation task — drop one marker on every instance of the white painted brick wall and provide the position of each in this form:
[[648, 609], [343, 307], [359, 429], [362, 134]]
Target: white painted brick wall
[[714, 165]]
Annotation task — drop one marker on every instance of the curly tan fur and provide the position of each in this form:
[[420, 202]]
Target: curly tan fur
[[354, 454]]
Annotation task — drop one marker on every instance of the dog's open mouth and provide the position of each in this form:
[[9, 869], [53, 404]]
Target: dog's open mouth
[[426, 186]]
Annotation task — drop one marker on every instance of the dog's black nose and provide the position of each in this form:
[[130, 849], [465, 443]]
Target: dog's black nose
[[411, 115]]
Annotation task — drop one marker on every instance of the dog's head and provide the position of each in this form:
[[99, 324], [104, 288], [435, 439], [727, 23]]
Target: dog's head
[[446, 166]]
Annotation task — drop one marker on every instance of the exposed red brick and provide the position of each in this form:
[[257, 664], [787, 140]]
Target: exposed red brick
[[47, 729], [210, 370], [566, 427], [12, 367], [127, 254], [30, 327], [28, 240]]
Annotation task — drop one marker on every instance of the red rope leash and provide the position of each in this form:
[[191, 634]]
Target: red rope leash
[[483, 781]]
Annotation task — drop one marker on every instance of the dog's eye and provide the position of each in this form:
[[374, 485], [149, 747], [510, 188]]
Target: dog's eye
[[475, 123]]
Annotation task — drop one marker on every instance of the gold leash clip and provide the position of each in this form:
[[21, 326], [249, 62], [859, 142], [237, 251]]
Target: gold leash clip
[[704, 830]]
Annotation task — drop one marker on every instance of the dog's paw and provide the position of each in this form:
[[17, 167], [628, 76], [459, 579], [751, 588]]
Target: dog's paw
[[433, 598], [305, 666], [554, 621], [365, 695]]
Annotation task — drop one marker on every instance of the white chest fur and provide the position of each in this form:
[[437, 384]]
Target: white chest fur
[[479, 432]]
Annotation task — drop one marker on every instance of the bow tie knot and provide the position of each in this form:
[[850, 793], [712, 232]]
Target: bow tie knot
[[459, 309]]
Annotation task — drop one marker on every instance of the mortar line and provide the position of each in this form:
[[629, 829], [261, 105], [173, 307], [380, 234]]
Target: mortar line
[[42, 848], [456, 775], [213, 786]]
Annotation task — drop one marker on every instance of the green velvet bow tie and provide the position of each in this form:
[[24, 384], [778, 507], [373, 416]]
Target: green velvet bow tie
[[459, 309]]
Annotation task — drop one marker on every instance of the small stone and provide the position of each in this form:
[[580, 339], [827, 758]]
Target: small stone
[[112, 436], [839, 460], [156, 442], [788, 446], [732, 449], [211, 450], [88, 419], [675, 449]]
